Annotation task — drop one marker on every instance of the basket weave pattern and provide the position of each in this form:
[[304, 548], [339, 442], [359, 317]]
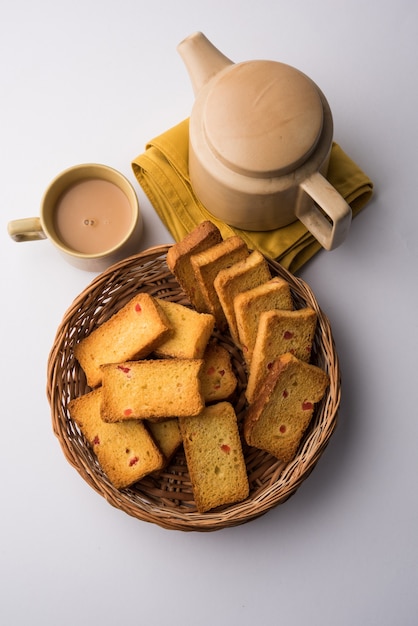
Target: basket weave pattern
[[166, 498]]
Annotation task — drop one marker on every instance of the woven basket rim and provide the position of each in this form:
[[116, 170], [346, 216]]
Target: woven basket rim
[[167, 500]]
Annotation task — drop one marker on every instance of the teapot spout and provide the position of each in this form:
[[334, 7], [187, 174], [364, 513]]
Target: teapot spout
[[202, 59]]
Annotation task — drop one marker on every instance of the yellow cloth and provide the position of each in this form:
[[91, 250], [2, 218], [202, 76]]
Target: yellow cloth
[[163, 173]]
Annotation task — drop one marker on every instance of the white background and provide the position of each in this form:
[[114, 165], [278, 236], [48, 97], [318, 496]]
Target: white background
[[93, 80]]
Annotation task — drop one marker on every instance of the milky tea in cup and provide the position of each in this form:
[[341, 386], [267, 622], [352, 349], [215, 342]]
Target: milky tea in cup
[[90, 213]]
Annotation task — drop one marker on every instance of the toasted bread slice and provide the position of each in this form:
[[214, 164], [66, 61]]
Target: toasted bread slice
[[281, 413]]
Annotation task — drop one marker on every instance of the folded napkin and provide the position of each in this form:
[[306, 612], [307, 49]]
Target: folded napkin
[[163, 173]]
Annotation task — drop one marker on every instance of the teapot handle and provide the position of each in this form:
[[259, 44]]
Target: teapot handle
[[329, 218]]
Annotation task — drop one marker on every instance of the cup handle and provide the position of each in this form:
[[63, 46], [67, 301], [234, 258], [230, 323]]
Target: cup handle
[[26, 229], [329, 218]]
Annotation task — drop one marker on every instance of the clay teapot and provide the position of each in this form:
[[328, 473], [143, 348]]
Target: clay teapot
[[259, 145]]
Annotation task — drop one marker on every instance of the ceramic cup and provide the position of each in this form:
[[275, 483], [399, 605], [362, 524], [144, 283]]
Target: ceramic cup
[[90, 213]]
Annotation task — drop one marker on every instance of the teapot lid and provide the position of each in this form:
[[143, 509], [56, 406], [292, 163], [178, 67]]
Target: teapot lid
[[262, 118]]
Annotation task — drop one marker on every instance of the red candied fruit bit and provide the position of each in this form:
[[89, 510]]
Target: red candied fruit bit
[[222, 372], [127, 412], [285, 393], [225, 448], [282, 429], [244, 348], [124, 369], [210, 371], [217, 386], [96, 440], [288, 334], [307, 406], [138, 308], [133, 461]]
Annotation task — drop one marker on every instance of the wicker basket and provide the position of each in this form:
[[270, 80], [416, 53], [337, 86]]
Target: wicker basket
[[167, 499]]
